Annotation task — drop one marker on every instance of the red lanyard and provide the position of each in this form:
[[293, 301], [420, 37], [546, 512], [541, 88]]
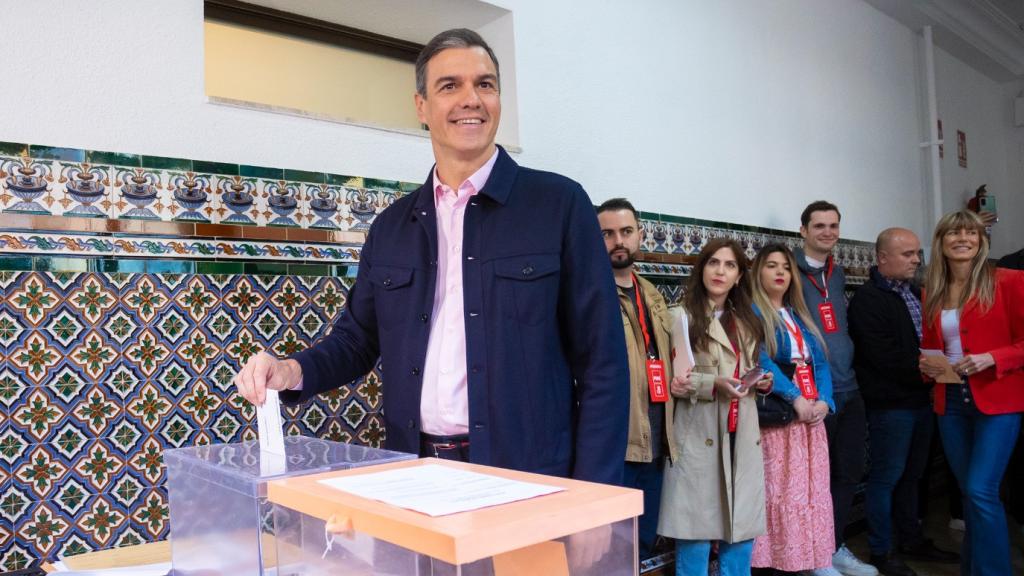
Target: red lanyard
[[797, 335], [734, 404], [828, 275], [643, 318]]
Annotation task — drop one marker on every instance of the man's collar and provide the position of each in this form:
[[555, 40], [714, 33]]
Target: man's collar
[[497, 188], [477, 179]]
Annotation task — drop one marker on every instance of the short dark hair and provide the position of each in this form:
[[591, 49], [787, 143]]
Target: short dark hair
[[818, 206], [619, 204], [454, 38]]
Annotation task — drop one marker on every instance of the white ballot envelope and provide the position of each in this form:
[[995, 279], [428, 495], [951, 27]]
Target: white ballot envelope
[[682, 353], [949, 376], [270, 428]]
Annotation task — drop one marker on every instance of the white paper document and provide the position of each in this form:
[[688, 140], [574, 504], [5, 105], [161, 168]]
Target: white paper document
[[269, 425], [682, 353], [438, 490]]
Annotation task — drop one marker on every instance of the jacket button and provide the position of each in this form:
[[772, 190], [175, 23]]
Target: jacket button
[[415, 371], [411, 424], [709, 442], [527, 270], [423, 317], [387, 282]]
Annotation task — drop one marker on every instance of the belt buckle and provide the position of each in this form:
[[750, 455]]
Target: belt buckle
[[438, 446]]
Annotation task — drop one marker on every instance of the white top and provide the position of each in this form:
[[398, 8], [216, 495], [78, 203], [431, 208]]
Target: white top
[[951, 335], [814, 263], [795, 353]]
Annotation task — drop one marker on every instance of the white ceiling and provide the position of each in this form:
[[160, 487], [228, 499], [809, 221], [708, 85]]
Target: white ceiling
[[986, 34]]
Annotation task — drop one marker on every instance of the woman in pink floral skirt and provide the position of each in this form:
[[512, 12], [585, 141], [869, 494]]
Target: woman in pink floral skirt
[[798, 502]]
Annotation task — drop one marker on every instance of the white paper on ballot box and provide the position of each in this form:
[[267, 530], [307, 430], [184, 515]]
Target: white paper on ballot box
[[682, 352], [438, 490]]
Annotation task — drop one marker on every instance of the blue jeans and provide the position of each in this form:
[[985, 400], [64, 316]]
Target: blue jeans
[[646, 476], [978, 448], [899, 444], [733, 559]]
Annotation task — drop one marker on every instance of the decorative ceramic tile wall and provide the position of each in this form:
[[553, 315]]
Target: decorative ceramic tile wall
[[101, 372], [46, 180], [117, 343]]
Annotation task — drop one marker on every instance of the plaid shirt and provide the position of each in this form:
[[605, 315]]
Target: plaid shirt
[[902, 288]]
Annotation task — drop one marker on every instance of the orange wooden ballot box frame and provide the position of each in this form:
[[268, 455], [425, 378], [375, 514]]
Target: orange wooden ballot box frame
[[468, 536]]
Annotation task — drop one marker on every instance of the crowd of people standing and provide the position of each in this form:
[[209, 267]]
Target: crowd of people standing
[[769, 425]]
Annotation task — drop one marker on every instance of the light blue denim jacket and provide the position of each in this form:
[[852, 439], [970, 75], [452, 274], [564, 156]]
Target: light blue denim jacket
[[785, 387]]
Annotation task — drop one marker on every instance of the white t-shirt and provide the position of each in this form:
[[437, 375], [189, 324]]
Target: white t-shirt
[[814, 263], [795, 353], [951, 335]]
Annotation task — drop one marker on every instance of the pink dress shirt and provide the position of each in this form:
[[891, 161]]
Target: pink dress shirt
[[444, 404]]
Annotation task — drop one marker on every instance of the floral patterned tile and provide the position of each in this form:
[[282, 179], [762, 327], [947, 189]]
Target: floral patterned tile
[[239, 200], [27, 186], [84, 191], [193, 196], [141, 194]]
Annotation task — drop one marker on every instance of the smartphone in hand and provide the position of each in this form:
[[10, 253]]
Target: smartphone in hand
[[751, 378]]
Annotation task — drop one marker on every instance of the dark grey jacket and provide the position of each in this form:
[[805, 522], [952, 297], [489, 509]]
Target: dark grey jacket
[[840, 347]]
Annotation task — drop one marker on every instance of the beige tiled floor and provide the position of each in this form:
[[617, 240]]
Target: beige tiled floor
[[936, 527]]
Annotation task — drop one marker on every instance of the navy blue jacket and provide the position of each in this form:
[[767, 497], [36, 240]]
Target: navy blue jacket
[[545, 351]]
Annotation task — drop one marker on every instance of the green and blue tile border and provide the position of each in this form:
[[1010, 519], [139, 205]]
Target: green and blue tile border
[[151, 207]]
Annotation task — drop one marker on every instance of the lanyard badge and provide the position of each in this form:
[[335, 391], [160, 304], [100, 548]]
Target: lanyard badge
[[655, 367], [828, 317], [825, 310], [803, 377], [656, 380]]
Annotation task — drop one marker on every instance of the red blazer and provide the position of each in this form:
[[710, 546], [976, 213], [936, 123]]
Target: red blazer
[[1000, 332]]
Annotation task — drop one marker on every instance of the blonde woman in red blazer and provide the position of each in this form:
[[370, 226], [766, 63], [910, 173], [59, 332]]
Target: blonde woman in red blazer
[[974, 313]]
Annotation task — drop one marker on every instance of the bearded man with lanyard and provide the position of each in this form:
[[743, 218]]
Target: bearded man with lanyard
[[823, 285], [647, 326]]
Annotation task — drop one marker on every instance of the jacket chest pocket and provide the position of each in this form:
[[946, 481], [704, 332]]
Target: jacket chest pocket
[[392, 293], [529, 286]]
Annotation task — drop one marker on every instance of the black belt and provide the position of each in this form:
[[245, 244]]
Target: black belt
[[454, 447]]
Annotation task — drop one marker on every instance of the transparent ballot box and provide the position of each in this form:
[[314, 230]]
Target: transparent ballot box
[[586, 529], [221, 522]]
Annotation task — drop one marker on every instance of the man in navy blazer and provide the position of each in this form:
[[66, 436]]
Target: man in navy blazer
[[503, 262]]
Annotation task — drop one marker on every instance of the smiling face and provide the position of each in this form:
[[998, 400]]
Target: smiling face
[[721, 273], [462, 106], [961, 244], [821, 232], [775, 276]]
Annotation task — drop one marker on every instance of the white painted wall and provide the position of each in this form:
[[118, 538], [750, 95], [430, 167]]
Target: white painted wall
[[728, 110], [983, 110]]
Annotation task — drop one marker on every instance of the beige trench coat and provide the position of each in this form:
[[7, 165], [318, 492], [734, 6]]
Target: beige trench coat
[[707, 495]]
